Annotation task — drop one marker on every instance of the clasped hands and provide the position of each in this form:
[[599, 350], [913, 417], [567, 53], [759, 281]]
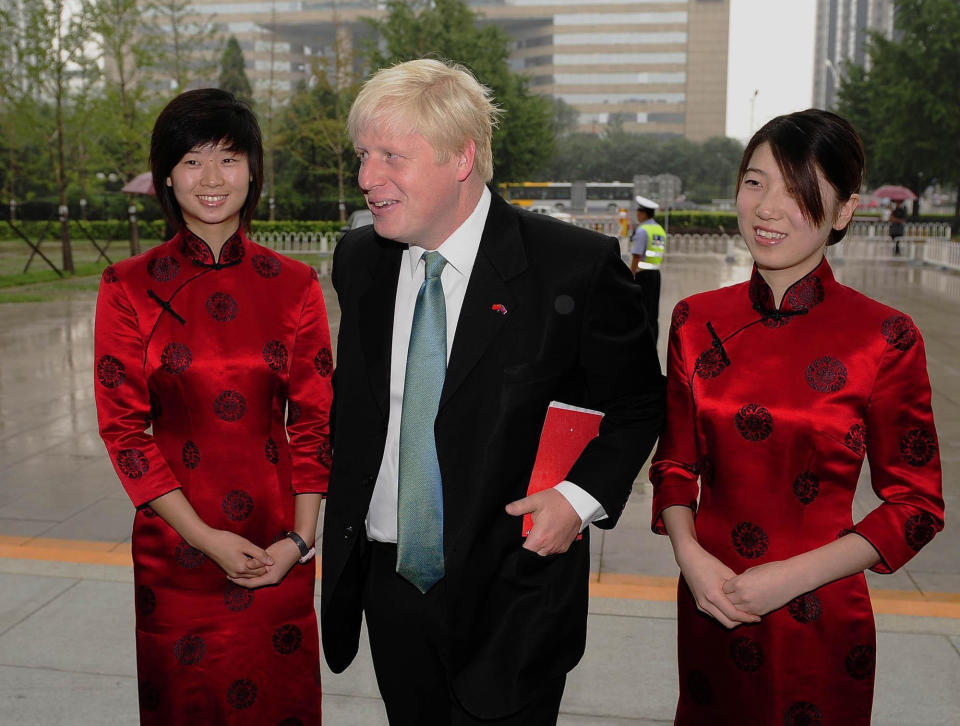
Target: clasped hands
[[555, 522], [734, 599], [246, 564]]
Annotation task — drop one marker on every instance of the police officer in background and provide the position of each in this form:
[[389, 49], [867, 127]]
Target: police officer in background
[[647, 247]]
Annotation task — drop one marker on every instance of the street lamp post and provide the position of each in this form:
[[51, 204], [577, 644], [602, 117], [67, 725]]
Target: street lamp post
[[828, 97]]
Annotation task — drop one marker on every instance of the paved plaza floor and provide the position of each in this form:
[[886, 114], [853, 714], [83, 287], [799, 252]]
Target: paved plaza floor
[[66, 595]]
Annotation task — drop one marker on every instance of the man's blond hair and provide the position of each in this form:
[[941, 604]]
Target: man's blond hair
[[441, 101]]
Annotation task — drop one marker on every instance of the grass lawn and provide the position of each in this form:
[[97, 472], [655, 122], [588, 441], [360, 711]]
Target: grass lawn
[[41, 284]]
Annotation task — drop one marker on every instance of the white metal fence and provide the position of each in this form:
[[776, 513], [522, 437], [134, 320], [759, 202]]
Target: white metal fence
[[942, 253], [911, 230], [298, 243], [926, 243]]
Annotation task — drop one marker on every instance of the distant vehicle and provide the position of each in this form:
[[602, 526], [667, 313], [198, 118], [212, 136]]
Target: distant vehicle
[[609, 196], [548, 212], [571, 196], [542, 195], [357, 218]]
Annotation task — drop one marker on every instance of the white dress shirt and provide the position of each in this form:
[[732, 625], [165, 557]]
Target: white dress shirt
[[460, 252]]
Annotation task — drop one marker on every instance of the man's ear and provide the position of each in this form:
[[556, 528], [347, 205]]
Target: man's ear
[[465, 159]]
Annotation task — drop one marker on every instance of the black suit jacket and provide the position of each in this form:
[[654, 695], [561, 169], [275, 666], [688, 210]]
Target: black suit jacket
[[574, 331]]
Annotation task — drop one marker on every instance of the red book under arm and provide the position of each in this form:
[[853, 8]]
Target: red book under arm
[[566, 432]]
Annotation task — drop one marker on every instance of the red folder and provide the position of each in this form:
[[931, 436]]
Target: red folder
[[566, 432]]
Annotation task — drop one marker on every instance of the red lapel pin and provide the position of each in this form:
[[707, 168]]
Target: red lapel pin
[[498, 308]]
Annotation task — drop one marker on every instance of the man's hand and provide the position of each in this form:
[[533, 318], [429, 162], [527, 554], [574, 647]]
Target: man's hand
[[236, 555], [555, 523], [284, 554]]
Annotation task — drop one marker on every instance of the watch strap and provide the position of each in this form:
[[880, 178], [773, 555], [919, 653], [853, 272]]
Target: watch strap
[[298, 541]]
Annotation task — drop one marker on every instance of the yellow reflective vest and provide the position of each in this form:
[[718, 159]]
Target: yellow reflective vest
[[656, 242]]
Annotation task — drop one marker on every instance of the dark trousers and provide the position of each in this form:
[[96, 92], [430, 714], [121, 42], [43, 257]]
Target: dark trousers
[[649, 281], [409, 644]]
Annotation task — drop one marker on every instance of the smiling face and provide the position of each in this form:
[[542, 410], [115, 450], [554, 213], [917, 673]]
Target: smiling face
[[210, 184], [784, 243], [414, 198]]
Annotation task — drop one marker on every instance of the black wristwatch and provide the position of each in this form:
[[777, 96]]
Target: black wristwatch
[[305, 552]]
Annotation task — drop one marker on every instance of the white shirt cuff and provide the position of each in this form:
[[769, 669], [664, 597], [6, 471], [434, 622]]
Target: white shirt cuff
[[587, 508]]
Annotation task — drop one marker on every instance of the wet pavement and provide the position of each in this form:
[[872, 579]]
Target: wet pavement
[[66, 601]]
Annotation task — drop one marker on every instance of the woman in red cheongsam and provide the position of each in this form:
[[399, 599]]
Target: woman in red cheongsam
[[777, 389], [202, 344]]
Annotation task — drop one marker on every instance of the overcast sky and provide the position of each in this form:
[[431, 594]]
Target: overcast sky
[[771, 51]]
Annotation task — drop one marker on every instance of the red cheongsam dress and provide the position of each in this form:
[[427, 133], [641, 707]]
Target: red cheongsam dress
[[770, 413], [197, 360]]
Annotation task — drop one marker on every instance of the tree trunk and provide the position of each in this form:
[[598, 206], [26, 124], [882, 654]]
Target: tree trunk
[[62, 179], [134, 227], [956, 211], [11, 171], [82, 170], [270, 145], [340, 201]]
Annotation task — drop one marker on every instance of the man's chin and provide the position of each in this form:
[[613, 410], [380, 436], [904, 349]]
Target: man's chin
[[386, 230]]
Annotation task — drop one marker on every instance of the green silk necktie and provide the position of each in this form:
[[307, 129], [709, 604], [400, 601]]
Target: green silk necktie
[[420, 495]]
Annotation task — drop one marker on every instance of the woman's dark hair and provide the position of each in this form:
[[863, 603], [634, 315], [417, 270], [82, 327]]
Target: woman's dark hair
[[805, 142], [197, 118]]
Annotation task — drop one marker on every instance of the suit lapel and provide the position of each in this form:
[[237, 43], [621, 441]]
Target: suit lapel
[[500, 257], [375, 317]]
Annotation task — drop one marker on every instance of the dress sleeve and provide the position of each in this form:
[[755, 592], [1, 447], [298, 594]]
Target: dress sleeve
[[123, 397], [674, 471], [309, 396], [903, 452]]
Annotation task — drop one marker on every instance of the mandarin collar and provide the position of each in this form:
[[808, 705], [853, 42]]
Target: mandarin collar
[[198, 251], [802, 296]]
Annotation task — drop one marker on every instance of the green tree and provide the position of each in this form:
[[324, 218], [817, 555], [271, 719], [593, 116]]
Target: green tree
[[449, 29], [707, 170], [186, 40], [55, 38], [126, 103], [564, 118], [14, 91], [23, 115], [233, 76], [905, 105], [316, 153]]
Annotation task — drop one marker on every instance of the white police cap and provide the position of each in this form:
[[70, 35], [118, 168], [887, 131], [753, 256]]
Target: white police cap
[[646, 203]]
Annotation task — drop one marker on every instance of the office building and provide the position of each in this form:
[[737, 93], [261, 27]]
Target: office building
[[843, 31], [656, 66]]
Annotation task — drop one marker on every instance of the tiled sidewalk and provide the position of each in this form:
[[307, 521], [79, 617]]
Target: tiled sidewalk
[[66, 603]]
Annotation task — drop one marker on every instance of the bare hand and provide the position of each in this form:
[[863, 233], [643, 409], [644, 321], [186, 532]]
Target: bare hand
[[555, 522], [705, 576], [285, 555], [235, 555], [764, 588]]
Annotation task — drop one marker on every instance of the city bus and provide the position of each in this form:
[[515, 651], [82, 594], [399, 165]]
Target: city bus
[[554, 196], [609, 196], [590, 197]]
